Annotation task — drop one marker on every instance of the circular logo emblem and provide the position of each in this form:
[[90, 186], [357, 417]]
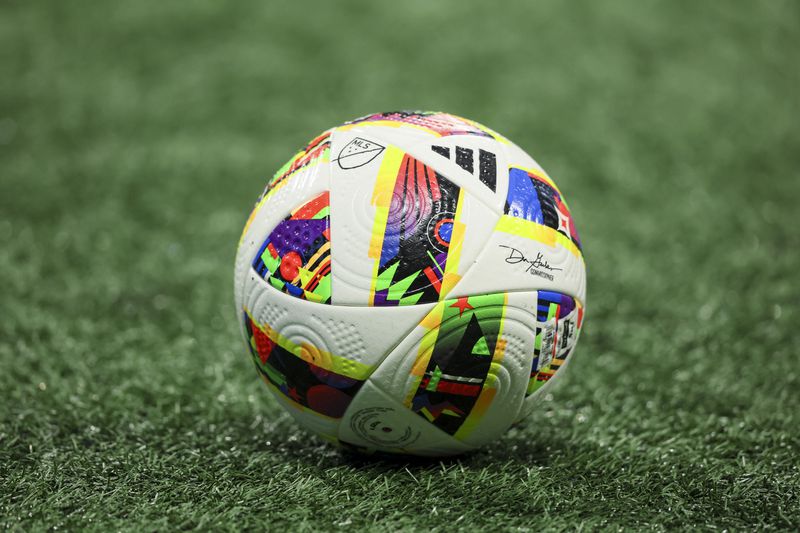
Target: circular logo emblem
[[378, 426]]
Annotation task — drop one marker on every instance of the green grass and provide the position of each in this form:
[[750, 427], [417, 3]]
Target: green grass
[[135, 137]]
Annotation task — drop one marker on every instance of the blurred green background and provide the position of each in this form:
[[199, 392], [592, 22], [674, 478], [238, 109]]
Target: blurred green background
[[135, 137]]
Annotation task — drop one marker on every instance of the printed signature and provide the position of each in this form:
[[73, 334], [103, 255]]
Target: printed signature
[[516, 256]]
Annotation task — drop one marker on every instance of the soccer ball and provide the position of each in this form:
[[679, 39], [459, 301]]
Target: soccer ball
[[410, 282]]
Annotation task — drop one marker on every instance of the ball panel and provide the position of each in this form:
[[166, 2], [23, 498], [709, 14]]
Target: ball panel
[[453, 367], [517, 157], [409, 230], [316, 423], [376, 421], [465, 368]]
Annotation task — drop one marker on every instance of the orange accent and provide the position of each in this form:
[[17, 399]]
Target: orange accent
[[433, 279], [317, 140], [313, 207]]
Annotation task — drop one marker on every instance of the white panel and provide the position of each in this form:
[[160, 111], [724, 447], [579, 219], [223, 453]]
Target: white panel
[[395, 380], [517, 157], [356, 333], [376, 421], [355, 160], [513, 263], [478, 223]]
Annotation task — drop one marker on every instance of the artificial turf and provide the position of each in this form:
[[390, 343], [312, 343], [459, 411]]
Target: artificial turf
[[135, 136]]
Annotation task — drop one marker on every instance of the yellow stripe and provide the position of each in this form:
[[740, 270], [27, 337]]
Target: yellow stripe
[[418, 370], [531, 230], [382, 200], [481, 405], [451, 276], [324, 249], [431, 322]]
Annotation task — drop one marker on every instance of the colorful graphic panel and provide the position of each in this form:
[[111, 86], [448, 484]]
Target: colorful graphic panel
[[417, 233], [534, 197], [296, 256], [559, 320], [453, 382], [441, 124], [312, 379]]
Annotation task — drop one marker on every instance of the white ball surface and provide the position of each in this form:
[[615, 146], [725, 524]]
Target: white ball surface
[[409, 282]]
